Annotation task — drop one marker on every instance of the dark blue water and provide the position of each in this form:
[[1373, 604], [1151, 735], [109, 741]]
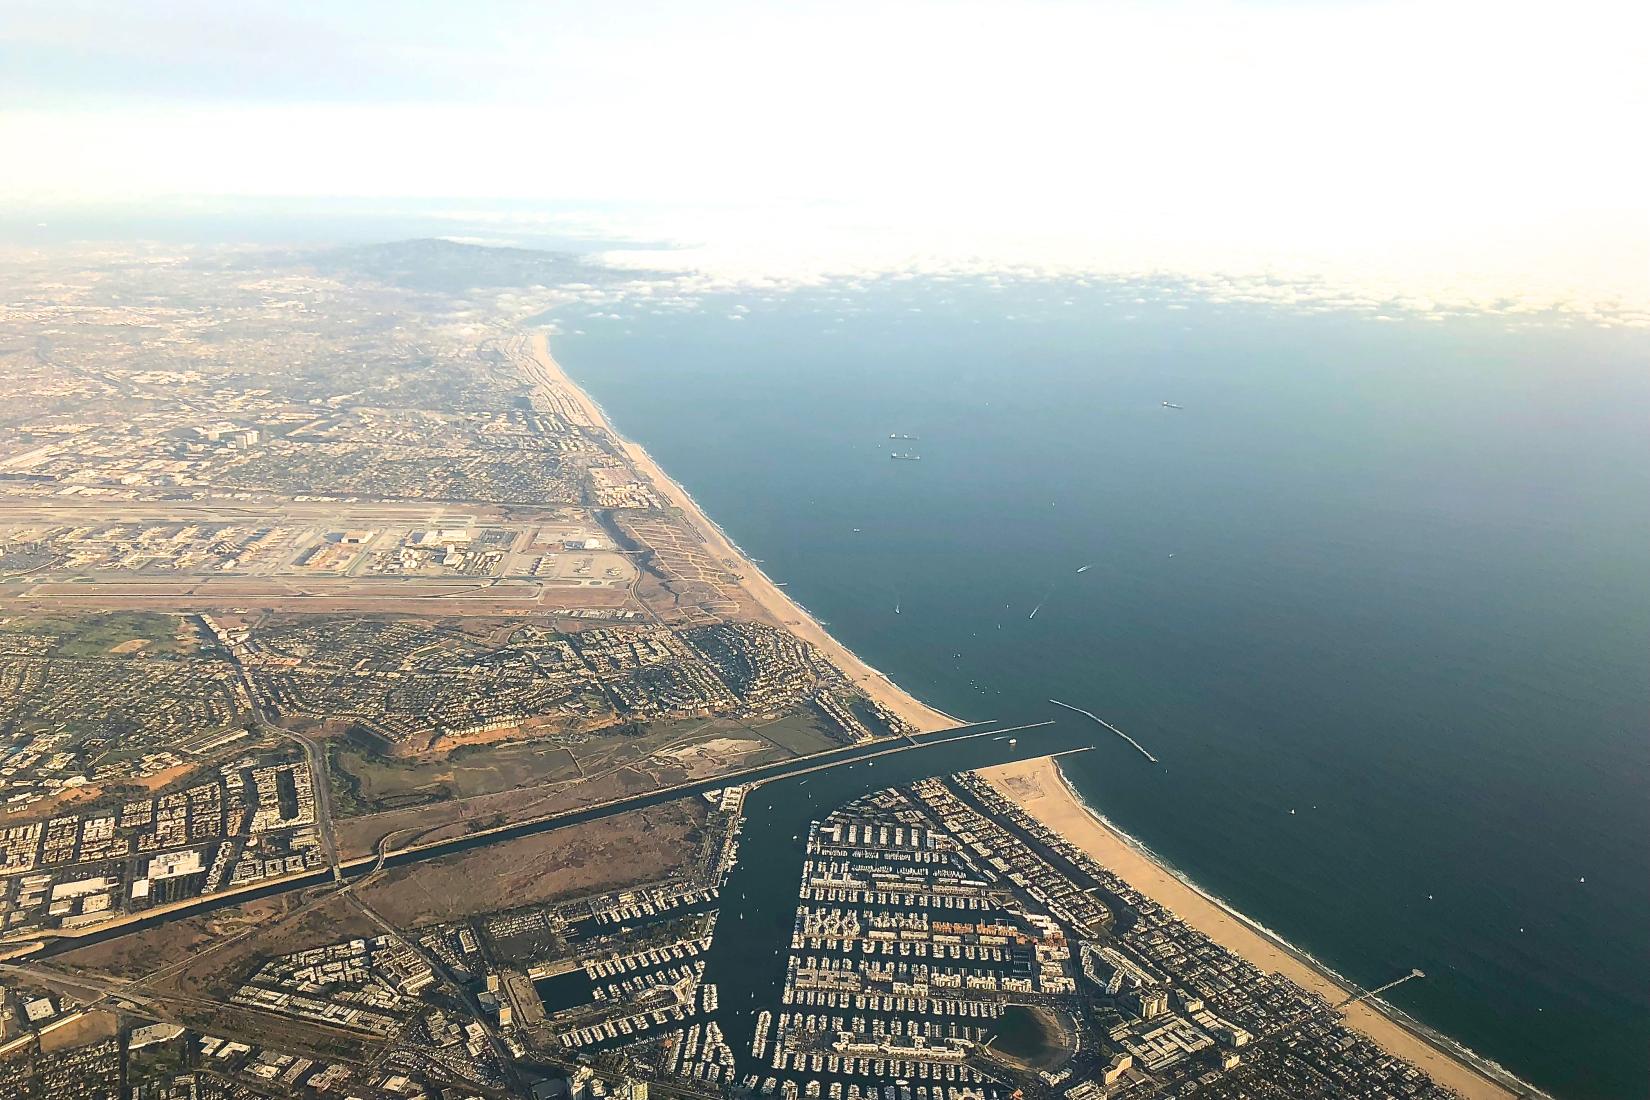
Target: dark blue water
[[1393, 576]]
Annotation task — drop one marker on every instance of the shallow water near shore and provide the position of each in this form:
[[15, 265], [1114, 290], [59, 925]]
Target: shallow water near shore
[[1377, 597]]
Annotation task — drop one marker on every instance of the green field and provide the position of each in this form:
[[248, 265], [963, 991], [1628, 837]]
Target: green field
[[376, 782], [368, 782], [96, 635]]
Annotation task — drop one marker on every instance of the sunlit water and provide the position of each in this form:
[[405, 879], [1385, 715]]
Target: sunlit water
[[1378, 596]]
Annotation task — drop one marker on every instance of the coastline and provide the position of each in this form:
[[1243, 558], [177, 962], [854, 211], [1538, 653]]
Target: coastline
[[1039, 788], [770, 597]]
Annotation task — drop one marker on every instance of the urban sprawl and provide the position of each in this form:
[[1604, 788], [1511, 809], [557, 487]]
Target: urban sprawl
[[374, 725]]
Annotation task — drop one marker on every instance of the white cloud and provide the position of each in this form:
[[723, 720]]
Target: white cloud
[[1459, 142]]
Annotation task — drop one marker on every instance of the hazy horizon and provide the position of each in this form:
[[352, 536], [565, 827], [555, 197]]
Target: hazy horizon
[[905, 550], [1456, 151]]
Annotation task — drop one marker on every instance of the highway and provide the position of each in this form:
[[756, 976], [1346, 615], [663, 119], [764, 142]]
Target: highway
[[417, 853]]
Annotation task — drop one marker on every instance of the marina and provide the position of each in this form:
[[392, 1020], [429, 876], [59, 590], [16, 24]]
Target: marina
[[919, 936], [1163, 640]]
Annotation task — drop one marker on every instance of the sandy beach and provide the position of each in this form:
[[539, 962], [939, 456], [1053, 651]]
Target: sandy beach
[[1038, 787], [761, 589]]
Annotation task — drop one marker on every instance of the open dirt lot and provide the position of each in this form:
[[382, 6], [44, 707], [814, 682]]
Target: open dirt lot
[[489, 786], [218, 950]]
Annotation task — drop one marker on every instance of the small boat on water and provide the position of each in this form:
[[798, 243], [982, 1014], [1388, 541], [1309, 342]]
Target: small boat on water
[[1082, 569], [904, 456], [1172, 405]]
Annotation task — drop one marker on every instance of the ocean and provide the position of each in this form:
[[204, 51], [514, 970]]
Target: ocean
[[1377, 595]]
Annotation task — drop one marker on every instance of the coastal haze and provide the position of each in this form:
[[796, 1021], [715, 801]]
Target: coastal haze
[[900, 551]]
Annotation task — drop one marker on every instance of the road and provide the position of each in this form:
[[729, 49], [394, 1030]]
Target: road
[[320, 775], [501, 1056], [418, 853]]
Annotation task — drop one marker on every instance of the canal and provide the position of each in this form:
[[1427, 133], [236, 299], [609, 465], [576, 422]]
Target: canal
[[748, 956]]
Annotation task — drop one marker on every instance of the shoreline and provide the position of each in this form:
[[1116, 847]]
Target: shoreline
[[1041, 789], [769, 596]]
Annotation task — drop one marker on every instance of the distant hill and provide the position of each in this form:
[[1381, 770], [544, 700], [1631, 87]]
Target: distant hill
[[430, 263]]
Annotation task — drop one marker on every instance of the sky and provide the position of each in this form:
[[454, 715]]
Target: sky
[[1496, 144]]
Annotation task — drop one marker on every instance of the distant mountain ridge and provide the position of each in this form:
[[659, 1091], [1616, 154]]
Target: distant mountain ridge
[[438, 264]]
